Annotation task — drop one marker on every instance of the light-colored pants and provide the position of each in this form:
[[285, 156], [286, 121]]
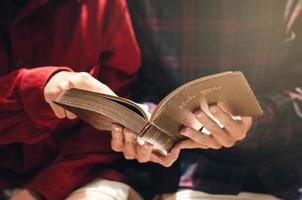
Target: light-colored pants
[[102, 189], [196, 195], [99, 189]]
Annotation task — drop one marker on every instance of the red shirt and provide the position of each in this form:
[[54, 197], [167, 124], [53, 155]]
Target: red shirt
[[38, 150]]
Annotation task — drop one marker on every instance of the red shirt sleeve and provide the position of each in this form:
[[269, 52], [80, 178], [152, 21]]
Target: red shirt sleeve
[[24, 114]]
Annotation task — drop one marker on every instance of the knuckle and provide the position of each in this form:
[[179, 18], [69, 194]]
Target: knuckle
[[240, 135], [84, 75], [129, 156], [203, 147], [142, 160], [72, 81], [167, 164], [217, 146], [229, 144], [84, 78], [116, 147], [52, 93]]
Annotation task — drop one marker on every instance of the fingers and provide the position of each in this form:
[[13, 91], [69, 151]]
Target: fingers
[[59, 111], [84, 80], [65, 80], [222, 137], [130, 144], [49, 98], [117, 138], [233, 127], [198, 139], [236, 127], [246, 123], [166, 160], [223, 134], [191, 144], [123, 140], [144, 152]]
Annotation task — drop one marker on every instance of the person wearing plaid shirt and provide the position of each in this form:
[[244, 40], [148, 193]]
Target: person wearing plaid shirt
[[261, 38]]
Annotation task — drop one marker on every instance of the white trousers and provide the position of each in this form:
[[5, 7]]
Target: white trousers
[[99, 189], [196, 195], [102, 189]]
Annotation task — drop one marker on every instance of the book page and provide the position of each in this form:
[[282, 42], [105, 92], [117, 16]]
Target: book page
[[145, 108], [100, 110]]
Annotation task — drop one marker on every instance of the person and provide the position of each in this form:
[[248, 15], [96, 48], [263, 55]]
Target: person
[[46, 47], [259, 38]]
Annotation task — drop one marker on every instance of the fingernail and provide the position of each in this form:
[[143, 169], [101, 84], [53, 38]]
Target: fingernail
[[116, 128], [140, 141]]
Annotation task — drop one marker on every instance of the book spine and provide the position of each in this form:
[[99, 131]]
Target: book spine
[[160, 139]]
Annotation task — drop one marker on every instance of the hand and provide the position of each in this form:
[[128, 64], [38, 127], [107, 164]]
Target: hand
[[232, 131], [66, 80], [123, 140], [26, 194]]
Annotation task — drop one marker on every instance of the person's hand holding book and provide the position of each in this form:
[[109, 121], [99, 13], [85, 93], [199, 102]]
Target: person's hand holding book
[[65, 80], [220, 128], [175, 123], [123, 140]]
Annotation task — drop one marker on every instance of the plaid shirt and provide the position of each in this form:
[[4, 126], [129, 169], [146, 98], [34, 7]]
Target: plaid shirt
[[263, 39]]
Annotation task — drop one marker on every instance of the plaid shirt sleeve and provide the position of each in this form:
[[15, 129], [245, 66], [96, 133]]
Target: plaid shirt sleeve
[[195, 38]]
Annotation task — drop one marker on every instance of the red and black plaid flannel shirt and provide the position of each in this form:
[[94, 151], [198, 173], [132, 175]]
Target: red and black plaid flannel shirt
[[263, 39]]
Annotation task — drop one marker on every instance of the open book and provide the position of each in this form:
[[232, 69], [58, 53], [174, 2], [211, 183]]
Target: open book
[[174, 111]]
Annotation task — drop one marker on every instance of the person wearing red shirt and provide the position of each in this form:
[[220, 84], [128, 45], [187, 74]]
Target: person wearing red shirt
[[45, 47]]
